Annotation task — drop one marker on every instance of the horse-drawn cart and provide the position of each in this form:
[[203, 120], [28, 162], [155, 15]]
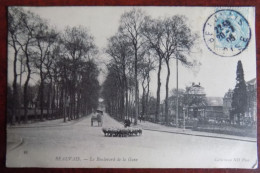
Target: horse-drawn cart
[[98, 117]]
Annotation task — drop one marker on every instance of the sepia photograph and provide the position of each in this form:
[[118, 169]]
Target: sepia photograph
[[131, 87]]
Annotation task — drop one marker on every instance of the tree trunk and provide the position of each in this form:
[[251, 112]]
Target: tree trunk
[[49, 99], [158, 90], [167, 93], [122, 104], [125, 90], [41, 93], [143, 100], [53, 101], [63, 104], [26, 87], [20, 93], [136, 89], [238, 118], [15, 93], [147, 95], [126, 99]]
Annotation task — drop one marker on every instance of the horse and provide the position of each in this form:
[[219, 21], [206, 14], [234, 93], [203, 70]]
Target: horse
[[98, 118]]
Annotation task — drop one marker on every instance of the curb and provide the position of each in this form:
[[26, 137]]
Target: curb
[[21, 141], [191, 134], [201, 135]]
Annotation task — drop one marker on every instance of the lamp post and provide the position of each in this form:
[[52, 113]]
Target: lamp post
[[184, 109]]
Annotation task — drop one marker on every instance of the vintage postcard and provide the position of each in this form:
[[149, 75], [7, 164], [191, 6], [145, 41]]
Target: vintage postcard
[[132, 87]]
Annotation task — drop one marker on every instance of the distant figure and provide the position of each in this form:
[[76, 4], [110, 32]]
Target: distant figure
[[141, 118], [127, 123]]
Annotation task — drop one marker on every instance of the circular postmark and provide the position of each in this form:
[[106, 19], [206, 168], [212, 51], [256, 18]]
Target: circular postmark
[[226, 33]]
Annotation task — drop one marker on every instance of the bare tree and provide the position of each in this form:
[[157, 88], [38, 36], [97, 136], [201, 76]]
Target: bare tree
[[112, 91], [146, 66], [14, 22], [78, 45], [42, 58], [119, 49], [170, 38], [26, 42], [153, 33], [130, 26]]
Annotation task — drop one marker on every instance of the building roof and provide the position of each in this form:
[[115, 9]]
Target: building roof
[[215, 101], [230, 91], [229, 94], [251, 82], [196, 89]]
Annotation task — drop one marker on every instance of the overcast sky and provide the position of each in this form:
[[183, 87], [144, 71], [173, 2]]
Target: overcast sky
[[216, 74]]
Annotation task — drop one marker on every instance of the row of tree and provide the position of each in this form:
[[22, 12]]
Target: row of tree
[[143, 44], [62, 63]]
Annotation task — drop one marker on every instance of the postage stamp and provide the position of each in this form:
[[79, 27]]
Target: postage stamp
[[226, 33]]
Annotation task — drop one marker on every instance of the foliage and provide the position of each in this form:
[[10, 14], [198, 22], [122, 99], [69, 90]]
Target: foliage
[[239, 98]]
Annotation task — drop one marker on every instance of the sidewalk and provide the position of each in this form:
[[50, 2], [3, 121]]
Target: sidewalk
[[161, 128], [48, 123]]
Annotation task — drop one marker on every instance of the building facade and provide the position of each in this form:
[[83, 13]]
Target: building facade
[[227, 101], [251, 100], [195, 101], [251, 112], [214, 109]]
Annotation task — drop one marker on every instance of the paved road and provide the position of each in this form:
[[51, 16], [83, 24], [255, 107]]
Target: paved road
[[80, 145]]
